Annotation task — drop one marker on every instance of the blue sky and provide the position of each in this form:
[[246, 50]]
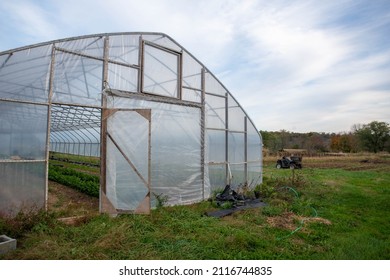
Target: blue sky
[[295, 65]]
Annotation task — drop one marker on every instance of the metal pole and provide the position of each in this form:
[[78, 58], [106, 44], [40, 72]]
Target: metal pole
[[202, 131], [179, 75], [228, 177], [150, 157], [51, 80], [103, 126], [140, 61], [246, 149], [141, 65]]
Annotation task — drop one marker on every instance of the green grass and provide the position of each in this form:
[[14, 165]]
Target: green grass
[[350, 220]]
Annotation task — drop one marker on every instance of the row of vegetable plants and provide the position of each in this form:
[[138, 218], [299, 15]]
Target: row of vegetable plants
[[86, 183]]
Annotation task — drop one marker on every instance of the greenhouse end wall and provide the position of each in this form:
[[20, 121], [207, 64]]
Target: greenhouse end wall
[[161, 122]]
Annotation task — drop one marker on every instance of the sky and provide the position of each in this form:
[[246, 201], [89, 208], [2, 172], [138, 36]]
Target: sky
[[301, 66]]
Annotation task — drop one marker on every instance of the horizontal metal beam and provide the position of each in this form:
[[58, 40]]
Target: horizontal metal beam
[[152, 97]]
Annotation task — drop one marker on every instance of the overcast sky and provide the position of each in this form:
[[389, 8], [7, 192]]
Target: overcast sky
[[295, 65]]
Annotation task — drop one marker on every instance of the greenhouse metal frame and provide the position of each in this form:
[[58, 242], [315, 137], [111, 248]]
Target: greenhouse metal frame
[[160, 121]]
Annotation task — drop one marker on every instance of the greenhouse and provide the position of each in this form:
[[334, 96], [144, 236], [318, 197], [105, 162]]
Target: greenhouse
[[158, 119]]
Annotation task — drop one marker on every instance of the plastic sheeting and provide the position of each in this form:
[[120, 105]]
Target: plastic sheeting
[[215, 112], [236, 115], [192, 72], [212, 85], [24, 75], [191, 95], [176, 154], [254, 156], [92, 46], [160, 74], [195, 147], [23, 130], [77, 79], [122, 77], [162, 40], [217, 176], [127, 154], [124, 49], [22, 186], [216, 146], [175, 150]]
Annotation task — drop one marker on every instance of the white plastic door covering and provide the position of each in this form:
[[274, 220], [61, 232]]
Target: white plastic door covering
[[127, 187]]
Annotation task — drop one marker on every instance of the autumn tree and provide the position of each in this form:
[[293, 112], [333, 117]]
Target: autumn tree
[[335, 142], [345, 143]]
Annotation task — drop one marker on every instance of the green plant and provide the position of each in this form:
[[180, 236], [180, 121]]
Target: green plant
[[273, 210], [246, 191], [161, 200], [226, 205], [26, 221], [266, 189], [85, 183]]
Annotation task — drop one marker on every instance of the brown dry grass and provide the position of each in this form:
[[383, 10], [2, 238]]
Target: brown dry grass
[[67, 202], [352, 162], [289, 221]]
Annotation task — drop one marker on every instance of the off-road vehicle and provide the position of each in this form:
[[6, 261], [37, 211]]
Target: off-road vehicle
[[289, 162]]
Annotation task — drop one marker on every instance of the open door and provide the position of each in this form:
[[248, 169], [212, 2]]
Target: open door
[[126, 156]]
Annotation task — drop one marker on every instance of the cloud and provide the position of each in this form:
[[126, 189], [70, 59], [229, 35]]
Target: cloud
[[196, 25], [28, 19], [326, 62], [305, 63]]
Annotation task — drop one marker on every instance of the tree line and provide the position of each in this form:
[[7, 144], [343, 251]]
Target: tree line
[[372, 137]]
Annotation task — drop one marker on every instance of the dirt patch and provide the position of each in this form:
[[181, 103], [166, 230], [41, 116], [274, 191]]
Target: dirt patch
[[286, 220], [76, 220], [290, 221], [69, 202]]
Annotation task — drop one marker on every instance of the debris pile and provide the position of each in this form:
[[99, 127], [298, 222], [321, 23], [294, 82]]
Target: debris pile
[[238, 202], [230, 195]]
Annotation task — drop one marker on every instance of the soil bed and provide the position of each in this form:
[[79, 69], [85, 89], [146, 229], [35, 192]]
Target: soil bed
[[69, 202]]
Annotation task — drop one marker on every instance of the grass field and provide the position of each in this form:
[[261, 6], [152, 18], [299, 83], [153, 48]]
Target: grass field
[[334, 208]]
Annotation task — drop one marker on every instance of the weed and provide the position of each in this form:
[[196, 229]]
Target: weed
[[246, 191], [161, 200], [226, 205], [273, 210], [25, 222], [266, 189]]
